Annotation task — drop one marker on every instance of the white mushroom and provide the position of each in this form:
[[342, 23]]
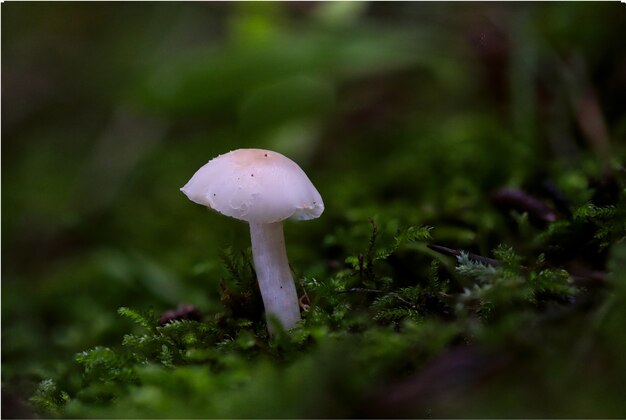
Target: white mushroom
[[262, 188]]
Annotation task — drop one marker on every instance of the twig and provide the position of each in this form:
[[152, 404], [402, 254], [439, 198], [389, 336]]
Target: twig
[[304, 301], [512, 198], [457, 253]]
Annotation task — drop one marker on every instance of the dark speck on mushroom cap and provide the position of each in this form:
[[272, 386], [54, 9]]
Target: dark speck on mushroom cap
[[255, 185]]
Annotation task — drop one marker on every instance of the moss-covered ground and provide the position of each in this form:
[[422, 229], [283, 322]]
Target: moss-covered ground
[[470, 262]]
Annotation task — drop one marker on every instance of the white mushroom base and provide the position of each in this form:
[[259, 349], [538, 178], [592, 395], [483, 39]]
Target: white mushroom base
[[273, 274]]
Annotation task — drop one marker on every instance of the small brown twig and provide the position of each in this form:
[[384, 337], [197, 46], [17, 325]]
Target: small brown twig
[[515, 199], [183, 312], [457, 253], [304, 301]]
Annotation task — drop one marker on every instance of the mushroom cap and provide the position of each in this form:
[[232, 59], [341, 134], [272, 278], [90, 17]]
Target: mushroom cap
[[255, 185]]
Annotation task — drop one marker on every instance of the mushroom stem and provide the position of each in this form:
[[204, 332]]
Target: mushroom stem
[[273, 274]]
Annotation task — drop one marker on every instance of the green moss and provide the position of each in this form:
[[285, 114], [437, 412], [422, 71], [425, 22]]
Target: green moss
[[407, 118]]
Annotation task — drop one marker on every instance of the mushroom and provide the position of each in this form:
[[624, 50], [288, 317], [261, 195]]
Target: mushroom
[[263, 188]]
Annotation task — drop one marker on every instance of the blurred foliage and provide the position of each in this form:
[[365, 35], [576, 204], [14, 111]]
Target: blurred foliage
[[407, 117]]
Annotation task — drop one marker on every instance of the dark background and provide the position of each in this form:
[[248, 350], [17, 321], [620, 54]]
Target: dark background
[[412, 113]]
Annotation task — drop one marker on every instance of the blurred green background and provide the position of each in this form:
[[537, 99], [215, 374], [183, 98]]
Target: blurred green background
[[411, 113]]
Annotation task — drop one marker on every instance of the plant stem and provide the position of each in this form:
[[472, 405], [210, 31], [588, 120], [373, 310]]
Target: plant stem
[[273, 274]]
